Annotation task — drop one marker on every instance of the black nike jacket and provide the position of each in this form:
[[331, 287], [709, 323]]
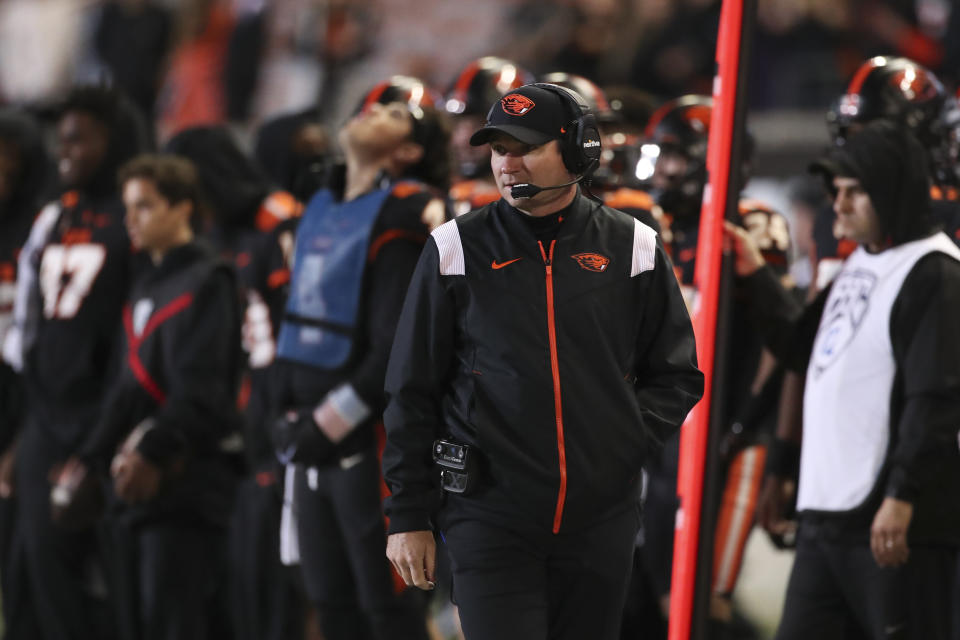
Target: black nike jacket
[[560, 362]]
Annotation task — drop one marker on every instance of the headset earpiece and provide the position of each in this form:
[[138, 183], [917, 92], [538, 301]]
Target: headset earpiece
[[580, 144]]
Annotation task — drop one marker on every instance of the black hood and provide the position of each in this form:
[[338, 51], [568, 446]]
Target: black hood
[[893, 169], [21, 129], [234, 186]]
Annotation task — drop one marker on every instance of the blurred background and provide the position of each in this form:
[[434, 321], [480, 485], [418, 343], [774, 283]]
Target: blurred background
[[243, 61]]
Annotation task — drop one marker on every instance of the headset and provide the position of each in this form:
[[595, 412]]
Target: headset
[[579, 146]]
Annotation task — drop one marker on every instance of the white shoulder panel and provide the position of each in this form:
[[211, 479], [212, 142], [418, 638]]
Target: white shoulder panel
[[644, 248], [447, 237]]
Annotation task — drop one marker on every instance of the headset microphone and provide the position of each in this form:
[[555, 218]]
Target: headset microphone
[[526, 190]]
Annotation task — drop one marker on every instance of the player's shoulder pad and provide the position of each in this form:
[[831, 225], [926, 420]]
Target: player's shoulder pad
[[410, 205], [625, 198], [69, 199], [949, 193], [277, 207], [407, 188]]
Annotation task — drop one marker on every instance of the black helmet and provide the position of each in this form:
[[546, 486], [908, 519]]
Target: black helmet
[[890, 87], [591, 93], [620, 158], [482, 82], [413, 92], [681, 125]]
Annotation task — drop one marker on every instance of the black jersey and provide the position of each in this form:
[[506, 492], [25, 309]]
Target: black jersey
[[641, 206], [82, 272], [946, 211], [260, 254], [177, 382], [13, 233]]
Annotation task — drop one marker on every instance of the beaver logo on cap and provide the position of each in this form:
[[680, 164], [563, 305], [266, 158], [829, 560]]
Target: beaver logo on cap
[[516, 104]]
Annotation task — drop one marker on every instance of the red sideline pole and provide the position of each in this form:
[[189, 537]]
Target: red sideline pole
[[693, 438]]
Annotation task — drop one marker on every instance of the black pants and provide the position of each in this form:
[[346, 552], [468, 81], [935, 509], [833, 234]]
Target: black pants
[[64, 568], [837, 591], [513, 585], [19, 618], [170, 579], [343, 556], [266, 601]]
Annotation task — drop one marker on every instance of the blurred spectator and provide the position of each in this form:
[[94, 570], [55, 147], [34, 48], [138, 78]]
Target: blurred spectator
[[193, 92], [32, 68], [273, 62], [133, 39], [803, 52], [70, 288], [24, 172], [951, 60], [893, 26], [679, 56], [596, 48]]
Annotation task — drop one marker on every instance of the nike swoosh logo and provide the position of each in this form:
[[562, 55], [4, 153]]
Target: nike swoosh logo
[[351, 461], [501, 265], [892, 629]]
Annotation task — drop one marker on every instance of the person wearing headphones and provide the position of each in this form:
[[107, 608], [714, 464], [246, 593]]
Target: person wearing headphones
[[543, 348]]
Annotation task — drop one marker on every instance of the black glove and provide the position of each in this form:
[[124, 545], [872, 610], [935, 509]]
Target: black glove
[[297, 438]]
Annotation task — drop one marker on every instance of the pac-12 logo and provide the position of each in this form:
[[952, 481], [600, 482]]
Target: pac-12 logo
[[516, 104], [846, 308]]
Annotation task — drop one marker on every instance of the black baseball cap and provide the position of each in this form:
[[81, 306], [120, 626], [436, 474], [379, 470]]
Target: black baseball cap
[[531, 114]]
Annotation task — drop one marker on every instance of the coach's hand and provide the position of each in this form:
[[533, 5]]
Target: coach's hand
[[7, 466], [888, 534], [414, 555]]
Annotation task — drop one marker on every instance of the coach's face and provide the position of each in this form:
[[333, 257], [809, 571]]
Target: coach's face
[[514, 162]]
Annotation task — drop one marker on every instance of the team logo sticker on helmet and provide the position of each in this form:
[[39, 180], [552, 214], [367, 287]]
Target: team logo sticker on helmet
[[516, 104], [592, 261], [914, 84]]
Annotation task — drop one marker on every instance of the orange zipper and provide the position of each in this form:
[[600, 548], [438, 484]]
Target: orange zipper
[[555, 368]]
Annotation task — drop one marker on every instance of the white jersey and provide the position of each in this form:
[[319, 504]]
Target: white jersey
[[846, 402]]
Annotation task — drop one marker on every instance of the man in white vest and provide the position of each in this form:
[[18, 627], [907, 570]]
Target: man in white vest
[[879, 462]]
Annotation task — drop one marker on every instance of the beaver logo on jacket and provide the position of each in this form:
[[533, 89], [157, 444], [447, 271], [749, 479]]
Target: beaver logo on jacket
[[592, 261]]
